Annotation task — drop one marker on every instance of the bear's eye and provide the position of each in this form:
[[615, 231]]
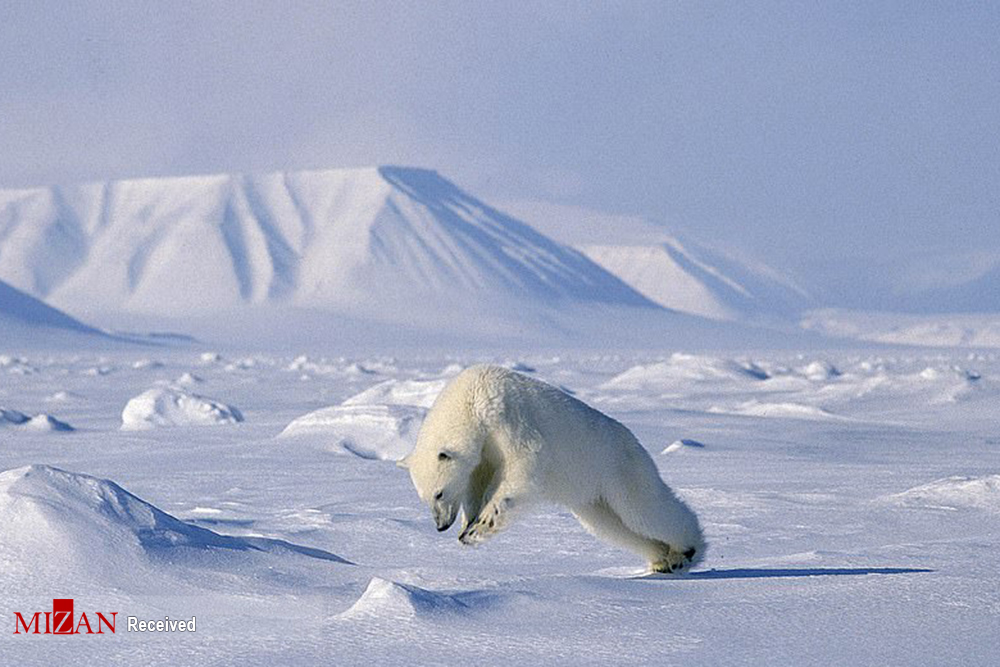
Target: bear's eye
[[443, 457], [439, 495]]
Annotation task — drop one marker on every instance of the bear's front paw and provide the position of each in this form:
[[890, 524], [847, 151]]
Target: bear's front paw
[[486, 524], [468, 536], [473, 534]]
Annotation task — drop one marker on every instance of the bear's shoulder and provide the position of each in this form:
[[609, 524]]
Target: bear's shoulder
[[484, 373], [483, 379], [484, 389]]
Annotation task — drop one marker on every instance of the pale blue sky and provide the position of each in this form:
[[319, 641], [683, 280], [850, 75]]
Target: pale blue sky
[[820, 136]]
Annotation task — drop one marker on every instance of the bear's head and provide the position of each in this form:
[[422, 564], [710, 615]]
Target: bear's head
[[442, 478]]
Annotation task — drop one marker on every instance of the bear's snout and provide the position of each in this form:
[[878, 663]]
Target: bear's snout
[[444, 517]]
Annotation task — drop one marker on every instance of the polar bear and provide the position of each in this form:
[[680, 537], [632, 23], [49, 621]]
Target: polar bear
[[495, 440]]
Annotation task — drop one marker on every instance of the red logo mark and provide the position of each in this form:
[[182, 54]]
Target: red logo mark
[[62, 616], [59, 621]]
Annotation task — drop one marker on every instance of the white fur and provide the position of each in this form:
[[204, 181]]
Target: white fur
[[495, 440]]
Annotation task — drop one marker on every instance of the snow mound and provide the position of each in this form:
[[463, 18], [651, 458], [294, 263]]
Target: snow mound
[[953, 493], [682, 369], [934, 384], [44, 422], [683, 443], [420, 393], [96, 526], [819, 371], [383, 598], [7, 361], [40, 422], [383, 432], [754, 408], [171, 406], [451, 370], [187, 379]]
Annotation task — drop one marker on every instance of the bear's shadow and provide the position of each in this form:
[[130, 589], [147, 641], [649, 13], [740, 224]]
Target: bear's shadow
[[777, 573]]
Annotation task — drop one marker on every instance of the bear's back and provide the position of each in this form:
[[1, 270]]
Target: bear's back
[[498, 395]]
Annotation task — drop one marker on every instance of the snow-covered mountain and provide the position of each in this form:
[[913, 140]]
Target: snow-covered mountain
[[23, 317], [674, 272], [694, 279], [381, 240], [948, 283]]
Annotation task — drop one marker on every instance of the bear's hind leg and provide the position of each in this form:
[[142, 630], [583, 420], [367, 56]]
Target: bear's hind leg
[[654, 512], [602, 522]]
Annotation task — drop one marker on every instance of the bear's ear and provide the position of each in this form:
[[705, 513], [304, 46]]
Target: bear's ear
[[403, 462]]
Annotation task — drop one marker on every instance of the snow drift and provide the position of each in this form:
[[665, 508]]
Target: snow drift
[[381, 422], [953, 493], [420, 393], [172, 406], [789, 410], [391, 599], [99, 528], [383, 432], [40, 422], [681, 445], [684, 370]]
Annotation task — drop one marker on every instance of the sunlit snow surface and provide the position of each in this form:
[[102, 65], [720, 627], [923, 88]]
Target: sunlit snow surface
[[851, 502]]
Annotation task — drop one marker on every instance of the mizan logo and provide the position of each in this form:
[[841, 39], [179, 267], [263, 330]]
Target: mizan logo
[[59, 621]]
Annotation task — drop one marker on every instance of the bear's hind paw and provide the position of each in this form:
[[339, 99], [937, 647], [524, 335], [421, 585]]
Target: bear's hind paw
[[673, 561]]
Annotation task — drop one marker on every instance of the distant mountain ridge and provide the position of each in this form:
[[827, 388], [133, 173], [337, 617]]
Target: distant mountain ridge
[[673, 271], [694, 279], [385, 239]]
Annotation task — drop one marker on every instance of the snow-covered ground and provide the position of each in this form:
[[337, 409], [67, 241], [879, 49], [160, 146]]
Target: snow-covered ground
[[851, 500]]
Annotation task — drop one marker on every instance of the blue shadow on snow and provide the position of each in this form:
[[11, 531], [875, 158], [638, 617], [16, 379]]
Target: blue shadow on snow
[[777, 573]]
